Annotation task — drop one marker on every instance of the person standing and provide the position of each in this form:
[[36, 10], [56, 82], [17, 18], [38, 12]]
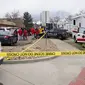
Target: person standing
[[20, 34], [28, 32], [25, 34], [33, 32], [16, 34], [37, 33]]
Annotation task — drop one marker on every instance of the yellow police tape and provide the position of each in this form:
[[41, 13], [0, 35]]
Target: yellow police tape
[[40, 54], [34, 43]]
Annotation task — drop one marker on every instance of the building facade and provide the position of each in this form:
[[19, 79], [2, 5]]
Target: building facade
[[79, 21], [45, 17], [76, 22]]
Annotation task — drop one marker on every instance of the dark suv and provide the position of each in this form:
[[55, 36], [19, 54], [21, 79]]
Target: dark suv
[[57, 33]]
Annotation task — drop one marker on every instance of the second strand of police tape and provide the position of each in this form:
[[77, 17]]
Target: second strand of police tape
[[21, 54], [31, 54], [34, 43]]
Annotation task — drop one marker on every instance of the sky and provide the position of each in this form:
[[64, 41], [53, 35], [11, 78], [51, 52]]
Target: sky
[[37, 6]]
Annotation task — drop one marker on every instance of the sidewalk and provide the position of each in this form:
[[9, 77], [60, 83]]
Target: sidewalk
[[63, 46], [77, 75]]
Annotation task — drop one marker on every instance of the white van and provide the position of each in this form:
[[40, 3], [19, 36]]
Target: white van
[[80, 35]]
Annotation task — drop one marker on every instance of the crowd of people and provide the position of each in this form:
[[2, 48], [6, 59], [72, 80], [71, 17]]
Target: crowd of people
[[23, 33]]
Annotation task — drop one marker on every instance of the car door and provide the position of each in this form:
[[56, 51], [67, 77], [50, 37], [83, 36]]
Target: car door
[[55, 33], [13, 37], [50, 33]]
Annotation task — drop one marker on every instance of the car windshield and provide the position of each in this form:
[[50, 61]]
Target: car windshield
[[81, 30], [1, 29], [5, 32]]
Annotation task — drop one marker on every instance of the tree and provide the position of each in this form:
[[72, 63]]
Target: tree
[[28, 22], [13, 15], [8, 16], [51, 20], [16, 18], [56, 19], [69, 18], [82, 12]]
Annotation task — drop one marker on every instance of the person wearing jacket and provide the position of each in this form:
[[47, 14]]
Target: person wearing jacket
[[37, 33], [20, 34], [25, 34], [32, 30]]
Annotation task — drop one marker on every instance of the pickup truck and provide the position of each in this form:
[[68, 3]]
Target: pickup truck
[[58, 33], [1, 60], [53, 31]]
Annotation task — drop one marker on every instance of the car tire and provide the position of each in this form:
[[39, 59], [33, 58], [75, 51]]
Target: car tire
[[16, 40], [48, 37], [11, 43], [60, 37]]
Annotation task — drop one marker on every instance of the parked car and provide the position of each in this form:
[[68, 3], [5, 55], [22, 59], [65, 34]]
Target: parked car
[[58, 33], [80, 35], [5, 28], [8, 37]]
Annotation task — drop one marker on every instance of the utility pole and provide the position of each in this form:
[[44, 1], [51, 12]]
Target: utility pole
[[46, 36]]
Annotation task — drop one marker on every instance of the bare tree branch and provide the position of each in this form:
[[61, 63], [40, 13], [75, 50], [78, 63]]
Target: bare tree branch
[[13, 15]]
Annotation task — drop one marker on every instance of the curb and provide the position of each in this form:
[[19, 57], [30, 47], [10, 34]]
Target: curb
[[29, 60]]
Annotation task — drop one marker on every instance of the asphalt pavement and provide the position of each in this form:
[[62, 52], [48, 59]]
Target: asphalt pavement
[[63, 46], [59, 71]]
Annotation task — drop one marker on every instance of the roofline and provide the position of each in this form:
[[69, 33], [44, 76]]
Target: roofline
[[75, 17]]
